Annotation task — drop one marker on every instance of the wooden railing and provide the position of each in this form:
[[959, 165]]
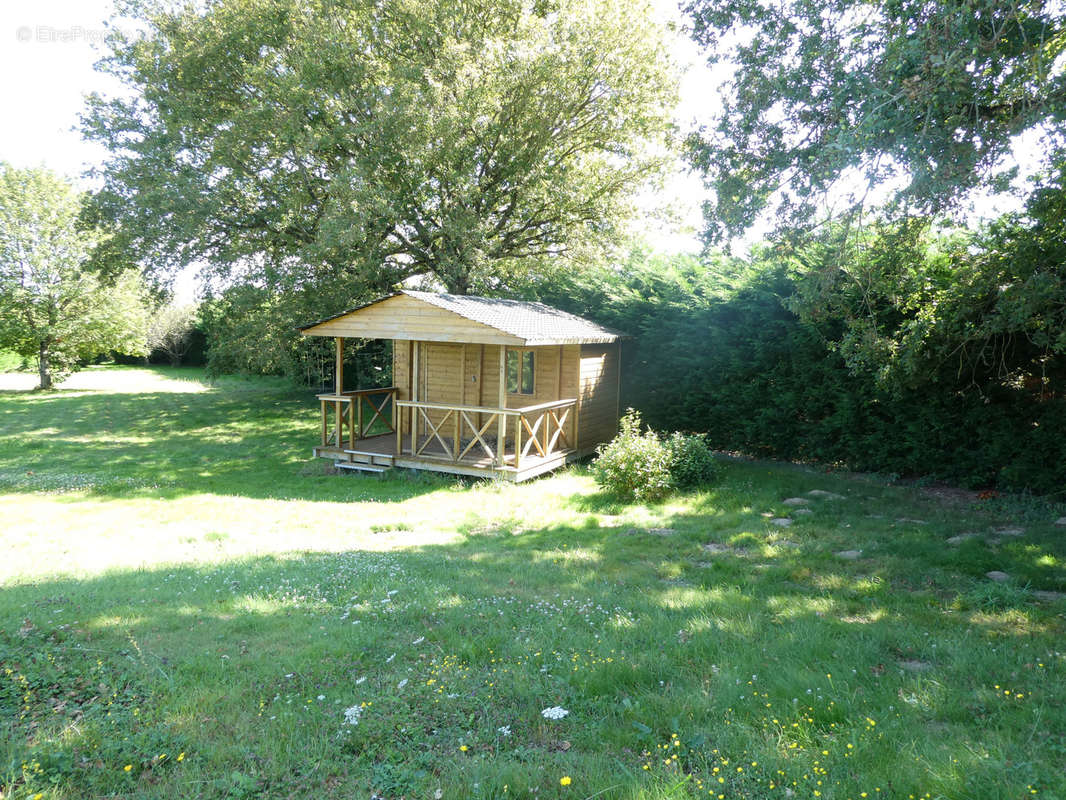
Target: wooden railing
[[356, 414], [548, 428], [453, 433]]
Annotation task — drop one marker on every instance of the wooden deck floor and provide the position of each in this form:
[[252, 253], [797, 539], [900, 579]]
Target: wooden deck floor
[[436, 458]]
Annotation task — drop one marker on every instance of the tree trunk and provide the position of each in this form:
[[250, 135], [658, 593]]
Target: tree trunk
[[44, 368]]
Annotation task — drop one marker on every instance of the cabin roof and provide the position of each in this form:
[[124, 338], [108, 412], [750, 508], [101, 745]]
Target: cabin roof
[[480, 319]]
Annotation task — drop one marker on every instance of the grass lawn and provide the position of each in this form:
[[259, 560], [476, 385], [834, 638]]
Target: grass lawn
[[192, 607]]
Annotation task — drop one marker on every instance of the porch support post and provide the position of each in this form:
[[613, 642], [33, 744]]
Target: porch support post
[[339, 376], [416, 356], [501, 438], [338, 371]]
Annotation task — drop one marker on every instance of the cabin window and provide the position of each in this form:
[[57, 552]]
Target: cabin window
[[520, 371]]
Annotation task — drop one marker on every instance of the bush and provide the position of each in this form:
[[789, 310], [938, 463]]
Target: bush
[[691, 461], [634, 465], [640, 465]]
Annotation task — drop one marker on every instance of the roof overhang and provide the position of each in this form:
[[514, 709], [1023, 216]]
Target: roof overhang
[[423, 317]]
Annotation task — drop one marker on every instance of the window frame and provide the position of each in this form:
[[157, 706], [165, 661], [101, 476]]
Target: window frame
[[522, 371]]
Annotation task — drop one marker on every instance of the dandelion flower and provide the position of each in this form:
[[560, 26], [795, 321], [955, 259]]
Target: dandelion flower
[[564, 781], [463, 748], [127, 768], [555, 712]]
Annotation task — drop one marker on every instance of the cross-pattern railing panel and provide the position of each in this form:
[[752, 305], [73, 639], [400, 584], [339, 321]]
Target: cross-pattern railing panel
[[357, 414], [458, 432]]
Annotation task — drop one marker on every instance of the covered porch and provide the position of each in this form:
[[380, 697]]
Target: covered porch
[[370, 430], [472, 393]]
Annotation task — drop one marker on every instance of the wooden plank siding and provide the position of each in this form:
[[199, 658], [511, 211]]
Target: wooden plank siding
[[468, 374], [598, 406]]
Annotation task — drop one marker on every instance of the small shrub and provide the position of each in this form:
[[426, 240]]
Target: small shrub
[[691, 461], [635, 464]]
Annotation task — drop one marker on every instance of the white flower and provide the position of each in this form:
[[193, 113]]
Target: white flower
[[361, 680], [504, 729], [419, 640], [321, 697], [555, 712], [401, 684], [351, 715], [390, 658]]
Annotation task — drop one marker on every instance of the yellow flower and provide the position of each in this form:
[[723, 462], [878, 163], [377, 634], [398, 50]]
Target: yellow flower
[[128, 767], [463, 748], [564, 781], [181, 756]]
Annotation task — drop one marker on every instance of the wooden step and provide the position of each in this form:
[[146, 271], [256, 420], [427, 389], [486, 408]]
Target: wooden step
[[359, 467], [368, 454]]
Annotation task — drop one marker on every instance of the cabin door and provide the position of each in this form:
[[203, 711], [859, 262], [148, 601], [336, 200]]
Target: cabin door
[[440, 376]]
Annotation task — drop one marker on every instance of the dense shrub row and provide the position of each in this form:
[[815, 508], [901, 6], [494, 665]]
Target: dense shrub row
[[720, 348]]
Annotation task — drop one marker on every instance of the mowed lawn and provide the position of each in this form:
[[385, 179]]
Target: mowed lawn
[[192, 607]]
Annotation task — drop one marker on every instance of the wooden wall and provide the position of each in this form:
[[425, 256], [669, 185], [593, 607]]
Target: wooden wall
[[470, 374], [598, 409]]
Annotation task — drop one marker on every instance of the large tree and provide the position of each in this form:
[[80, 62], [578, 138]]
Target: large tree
[[352, 143], [52, 309], [917, 99]]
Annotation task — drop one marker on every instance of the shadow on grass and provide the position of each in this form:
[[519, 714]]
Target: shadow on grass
[[251, 442], [248, 666]]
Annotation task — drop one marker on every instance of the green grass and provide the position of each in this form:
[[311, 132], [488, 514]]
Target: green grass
[[190, 604]]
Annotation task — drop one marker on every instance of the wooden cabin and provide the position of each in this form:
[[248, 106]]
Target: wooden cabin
[[481, 387]]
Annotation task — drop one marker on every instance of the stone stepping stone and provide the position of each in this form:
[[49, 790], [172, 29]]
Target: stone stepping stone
[[916, 666], [824, 495], [909, 521], [661, 531], [849, 555], [796, 501], [1009, 531], [785, 543], [715, 548], [781, 522], [1051, 597], [997, 576], [1061, 521], [802, 511], [963, 537]]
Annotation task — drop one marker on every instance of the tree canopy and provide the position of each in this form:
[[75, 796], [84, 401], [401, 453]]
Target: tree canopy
[[920, 97], [297, 143], [52, 309]]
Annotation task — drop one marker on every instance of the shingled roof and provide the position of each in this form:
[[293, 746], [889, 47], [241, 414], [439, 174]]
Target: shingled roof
[[520, 322]]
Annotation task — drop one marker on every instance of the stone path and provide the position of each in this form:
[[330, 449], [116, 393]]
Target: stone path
[[824, 495]]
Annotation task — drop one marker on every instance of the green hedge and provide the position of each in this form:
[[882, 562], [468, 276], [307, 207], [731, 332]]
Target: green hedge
[[718, 351]]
